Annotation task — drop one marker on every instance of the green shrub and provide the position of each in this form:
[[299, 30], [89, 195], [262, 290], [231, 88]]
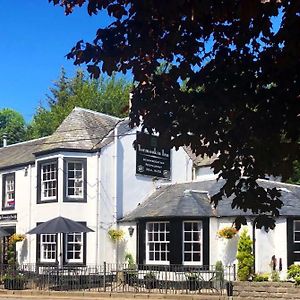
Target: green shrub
[[261, 277], [245, 257], [219, 271], [293, 271], [297, 280], [275, 276]]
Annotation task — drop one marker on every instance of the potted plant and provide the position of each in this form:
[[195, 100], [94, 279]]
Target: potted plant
[[227, 232], [116, 234], [13, 280], [131, 273], [150, 280]]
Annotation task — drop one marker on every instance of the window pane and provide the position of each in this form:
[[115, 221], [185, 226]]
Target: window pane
[[297, 236], [187, 256], [196, 257], [157, 244], [297, 225], [187, 226]]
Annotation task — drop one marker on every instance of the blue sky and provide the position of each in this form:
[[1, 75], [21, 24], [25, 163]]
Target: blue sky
[[34, 38]]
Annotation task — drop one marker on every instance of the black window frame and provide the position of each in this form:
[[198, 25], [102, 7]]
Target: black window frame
[[176, 238], [65, 262], [39, 178], [66, 198], [4, 176]]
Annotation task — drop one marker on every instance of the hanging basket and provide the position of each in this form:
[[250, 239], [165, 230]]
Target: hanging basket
[[227, 232]]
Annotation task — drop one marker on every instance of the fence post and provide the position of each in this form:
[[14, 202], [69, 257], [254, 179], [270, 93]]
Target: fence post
[[104, 276]]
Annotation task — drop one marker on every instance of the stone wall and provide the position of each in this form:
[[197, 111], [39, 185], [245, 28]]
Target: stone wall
[[265, 290]]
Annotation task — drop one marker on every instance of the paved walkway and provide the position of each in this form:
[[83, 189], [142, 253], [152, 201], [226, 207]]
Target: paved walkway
[[34, 295]]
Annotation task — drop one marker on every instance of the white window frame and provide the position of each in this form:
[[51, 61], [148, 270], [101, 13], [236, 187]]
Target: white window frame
[[166, 242], [295, 231], [9, 191], [80, 197], [184, 241], [48, 180], [74, 243], [46, 247]]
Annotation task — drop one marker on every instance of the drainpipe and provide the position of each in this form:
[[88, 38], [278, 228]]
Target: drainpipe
[[97, 207], [115, 185], [29, 213]]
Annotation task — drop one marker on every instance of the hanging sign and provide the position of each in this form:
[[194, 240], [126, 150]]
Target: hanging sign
[[151, 158]]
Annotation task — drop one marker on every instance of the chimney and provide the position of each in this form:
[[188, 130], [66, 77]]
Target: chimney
[[4, 140]]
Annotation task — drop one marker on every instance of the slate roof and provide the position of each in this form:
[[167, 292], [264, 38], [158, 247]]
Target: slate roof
[[192, 199], [20, 154], [82, 130]]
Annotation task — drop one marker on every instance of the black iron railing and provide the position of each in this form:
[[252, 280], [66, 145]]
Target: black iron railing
[[176, 279]]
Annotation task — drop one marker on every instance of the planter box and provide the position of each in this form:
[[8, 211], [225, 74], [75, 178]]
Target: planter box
[[14, 284]]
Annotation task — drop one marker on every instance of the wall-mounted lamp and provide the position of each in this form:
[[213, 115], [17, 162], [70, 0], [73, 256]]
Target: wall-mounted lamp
[[130, 230], [25, 171]]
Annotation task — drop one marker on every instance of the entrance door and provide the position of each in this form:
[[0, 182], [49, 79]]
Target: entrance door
[[5, 242]]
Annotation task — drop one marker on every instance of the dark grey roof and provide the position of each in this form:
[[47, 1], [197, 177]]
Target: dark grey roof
[[192, 199], [83, 129], [20, 154]]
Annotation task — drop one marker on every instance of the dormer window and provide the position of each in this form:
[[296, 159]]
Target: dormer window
[[8, 201], [47, 181]]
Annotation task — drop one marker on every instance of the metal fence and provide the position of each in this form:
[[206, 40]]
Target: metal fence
[[171, 279]]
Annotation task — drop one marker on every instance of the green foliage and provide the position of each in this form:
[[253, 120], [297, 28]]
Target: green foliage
[[297, 280], [275, 276], [12, 124], [116, 234], [295, 178], [219, 271], [130, 260], [245, 58], [261, 277], [106, 95], [245, 257], [293, 271]]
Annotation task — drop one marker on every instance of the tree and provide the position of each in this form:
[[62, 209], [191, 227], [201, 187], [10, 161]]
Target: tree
[[245, 257], [107, 95], [12, 125], [245, 55]]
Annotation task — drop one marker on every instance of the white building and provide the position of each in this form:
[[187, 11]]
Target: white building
[[87, 171]]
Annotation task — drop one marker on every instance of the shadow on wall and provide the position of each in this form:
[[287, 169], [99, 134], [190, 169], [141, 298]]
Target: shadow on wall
[[23, 252], [230, 250]]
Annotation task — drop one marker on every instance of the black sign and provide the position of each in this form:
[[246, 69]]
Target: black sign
[[151, 158], [8, 217]]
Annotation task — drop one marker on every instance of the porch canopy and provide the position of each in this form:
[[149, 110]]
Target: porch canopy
[[59, 225]]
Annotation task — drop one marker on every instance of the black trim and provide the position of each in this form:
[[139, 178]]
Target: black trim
[[39, 153], [83, 263], [4, 191], [39, 164], [176, 241], [15, 166], [290, 241], [175, 254], [38, 252], [205, 247], [141, 259], [84, 163]]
